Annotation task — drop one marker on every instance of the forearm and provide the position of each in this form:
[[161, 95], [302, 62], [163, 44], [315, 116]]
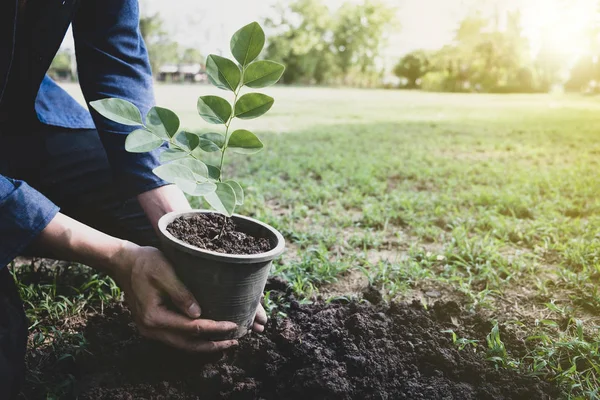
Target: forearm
[[67, 239], [162, 200]]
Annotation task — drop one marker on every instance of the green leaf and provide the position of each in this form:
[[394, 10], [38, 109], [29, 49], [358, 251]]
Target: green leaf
[[223, 199], [247, 43], [214, 137], [118, 110], [141, 141], [214, 109], [194, 188], [244, 142], [223, 73], [213, 172], [187, 140], [172, 171], [163, 122], [210, 142], [171, 155], [261, 74], [253, 105], [239, 192], [199, 169], [208, 145]]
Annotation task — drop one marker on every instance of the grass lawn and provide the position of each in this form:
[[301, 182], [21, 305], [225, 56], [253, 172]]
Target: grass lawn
[[491, 201]]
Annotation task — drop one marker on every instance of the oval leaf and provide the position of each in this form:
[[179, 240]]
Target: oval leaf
[[223, 73], [171, 155], [163, 122], [199, 169], [239, 192], [194, 188], [244, 142], [247, 43], [118, 110], [214, 137], [141, 141], [208, 146], [172, 171], [214, 109], [253, 105], [187, 140], [261, 74], [213, 172], [223, 199]]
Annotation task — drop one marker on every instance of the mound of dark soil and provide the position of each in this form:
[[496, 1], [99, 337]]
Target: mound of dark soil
[[204, 231], [321, 351]]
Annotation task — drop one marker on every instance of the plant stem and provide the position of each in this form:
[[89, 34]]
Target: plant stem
[[223, 226], [227, 125], [189, 153], [236, 93]]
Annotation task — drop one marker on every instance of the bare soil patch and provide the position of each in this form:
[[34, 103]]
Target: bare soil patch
[[342, 350]]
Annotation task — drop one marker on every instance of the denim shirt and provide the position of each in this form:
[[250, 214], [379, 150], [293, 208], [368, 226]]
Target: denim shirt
[[112, 62]]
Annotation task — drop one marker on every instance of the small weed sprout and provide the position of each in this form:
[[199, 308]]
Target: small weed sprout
[[496, 350], [184, 162], [272, 307], [461, 343]]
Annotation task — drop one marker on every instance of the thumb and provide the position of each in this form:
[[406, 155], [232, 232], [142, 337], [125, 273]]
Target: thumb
[[180, 296]]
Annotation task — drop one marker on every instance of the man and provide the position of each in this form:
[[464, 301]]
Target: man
[[53, 154]]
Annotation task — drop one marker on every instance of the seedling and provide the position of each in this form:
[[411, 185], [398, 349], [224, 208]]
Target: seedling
[[184, 161]]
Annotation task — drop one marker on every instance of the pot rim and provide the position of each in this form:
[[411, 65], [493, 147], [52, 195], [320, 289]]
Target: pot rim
[[166, 219]]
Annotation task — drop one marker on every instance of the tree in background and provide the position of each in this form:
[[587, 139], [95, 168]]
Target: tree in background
[[62, 67], [192, 56], [585, 74], [300, 40], [321, 46], [161, 49], [484, 58], [359, 34], [413, 67]]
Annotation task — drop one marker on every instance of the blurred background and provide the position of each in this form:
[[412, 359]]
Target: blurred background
[[492, 46]]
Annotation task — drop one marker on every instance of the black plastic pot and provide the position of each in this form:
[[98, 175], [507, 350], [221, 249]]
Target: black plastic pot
[[228, 287]]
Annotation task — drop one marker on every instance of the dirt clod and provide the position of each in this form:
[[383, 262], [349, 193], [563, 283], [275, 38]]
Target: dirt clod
[[204, 231]]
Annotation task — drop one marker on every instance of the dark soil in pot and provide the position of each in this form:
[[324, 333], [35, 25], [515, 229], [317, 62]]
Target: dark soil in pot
[[204, 231], [321, 351]]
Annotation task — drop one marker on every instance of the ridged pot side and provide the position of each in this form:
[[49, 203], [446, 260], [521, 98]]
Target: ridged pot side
[[228, 287]]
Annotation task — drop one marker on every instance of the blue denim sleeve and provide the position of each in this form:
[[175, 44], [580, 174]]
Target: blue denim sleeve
[[24, 213], [113, 61]]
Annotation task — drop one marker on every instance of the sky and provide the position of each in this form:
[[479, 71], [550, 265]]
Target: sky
[[426, 24]]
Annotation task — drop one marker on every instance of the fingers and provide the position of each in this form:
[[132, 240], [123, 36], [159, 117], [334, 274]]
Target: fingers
[[183, 333], [177, 292], [260, 319], [160, 318], [258, 328], [261, 315], [193, 345]]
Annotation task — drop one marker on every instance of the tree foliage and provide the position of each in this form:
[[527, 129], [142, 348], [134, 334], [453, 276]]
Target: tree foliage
[[321, 45], [485, 58], [300, 40], [412, 67], [192, 56], [161, 49]]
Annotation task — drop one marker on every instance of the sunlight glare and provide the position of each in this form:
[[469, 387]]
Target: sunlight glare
[[563, 26]]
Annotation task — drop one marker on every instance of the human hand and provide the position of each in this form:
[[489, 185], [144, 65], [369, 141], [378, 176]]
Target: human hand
[[260, 319], [162, 200], [148, 280]]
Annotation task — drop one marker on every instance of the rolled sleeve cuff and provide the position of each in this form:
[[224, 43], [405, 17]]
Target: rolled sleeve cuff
[[132, 171], [24, 213]]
